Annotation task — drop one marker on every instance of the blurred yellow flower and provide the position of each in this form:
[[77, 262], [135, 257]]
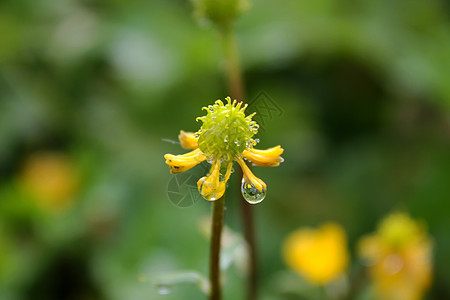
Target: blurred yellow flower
[[319, 255], [50, 179], [399, 258]]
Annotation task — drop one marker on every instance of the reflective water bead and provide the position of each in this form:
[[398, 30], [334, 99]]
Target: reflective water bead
[[210, 191], [251, 194]]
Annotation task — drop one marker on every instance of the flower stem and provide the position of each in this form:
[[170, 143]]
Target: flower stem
[[216, 237], [232, 64], [236, 87]]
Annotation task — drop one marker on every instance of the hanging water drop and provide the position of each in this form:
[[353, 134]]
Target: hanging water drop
[[251, 194], [210, 191], [162, 289]]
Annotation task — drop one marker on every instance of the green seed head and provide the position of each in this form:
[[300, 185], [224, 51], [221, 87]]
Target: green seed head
[[226, 131]]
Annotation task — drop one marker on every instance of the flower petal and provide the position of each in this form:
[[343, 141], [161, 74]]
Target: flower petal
[[188, 140], [184, 162], [210, 187], [265, 158], [250, 177]]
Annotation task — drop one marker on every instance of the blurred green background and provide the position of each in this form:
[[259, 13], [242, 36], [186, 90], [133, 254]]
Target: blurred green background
[[90, 90]]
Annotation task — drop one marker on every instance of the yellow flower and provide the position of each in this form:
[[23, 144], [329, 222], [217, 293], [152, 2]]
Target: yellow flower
[[50, 179], [225, 136], [319, 255], [399, 258]]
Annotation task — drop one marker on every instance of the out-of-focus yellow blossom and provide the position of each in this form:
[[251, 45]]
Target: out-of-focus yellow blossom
[[225, 136], [319, 255], [399, 258], [50, 179]]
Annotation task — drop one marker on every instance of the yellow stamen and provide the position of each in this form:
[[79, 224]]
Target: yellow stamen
[[265, 158], [181, 163], [188, 140], [250, 177]]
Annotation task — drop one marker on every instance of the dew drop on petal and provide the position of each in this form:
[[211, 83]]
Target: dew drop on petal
[[208, 191], [251, 194]]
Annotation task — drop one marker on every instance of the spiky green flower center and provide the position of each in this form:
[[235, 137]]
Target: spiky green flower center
[[226, 131]]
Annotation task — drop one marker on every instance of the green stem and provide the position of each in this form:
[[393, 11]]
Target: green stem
[[216, 236], [232, 64], [236, 87]]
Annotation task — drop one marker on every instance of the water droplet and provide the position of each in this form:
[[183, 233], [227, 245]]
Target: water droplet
[[257, 141], [209, 191], [251, 193], [225, 140], [237, 143], [196, 135], [162, 289]]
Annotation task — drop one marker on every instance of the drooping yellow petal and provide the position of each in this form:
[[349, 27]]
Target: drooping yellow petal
[[184, 162], [188, 140], [228, 172], [250, 177], [210, 187], [265, 158]]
